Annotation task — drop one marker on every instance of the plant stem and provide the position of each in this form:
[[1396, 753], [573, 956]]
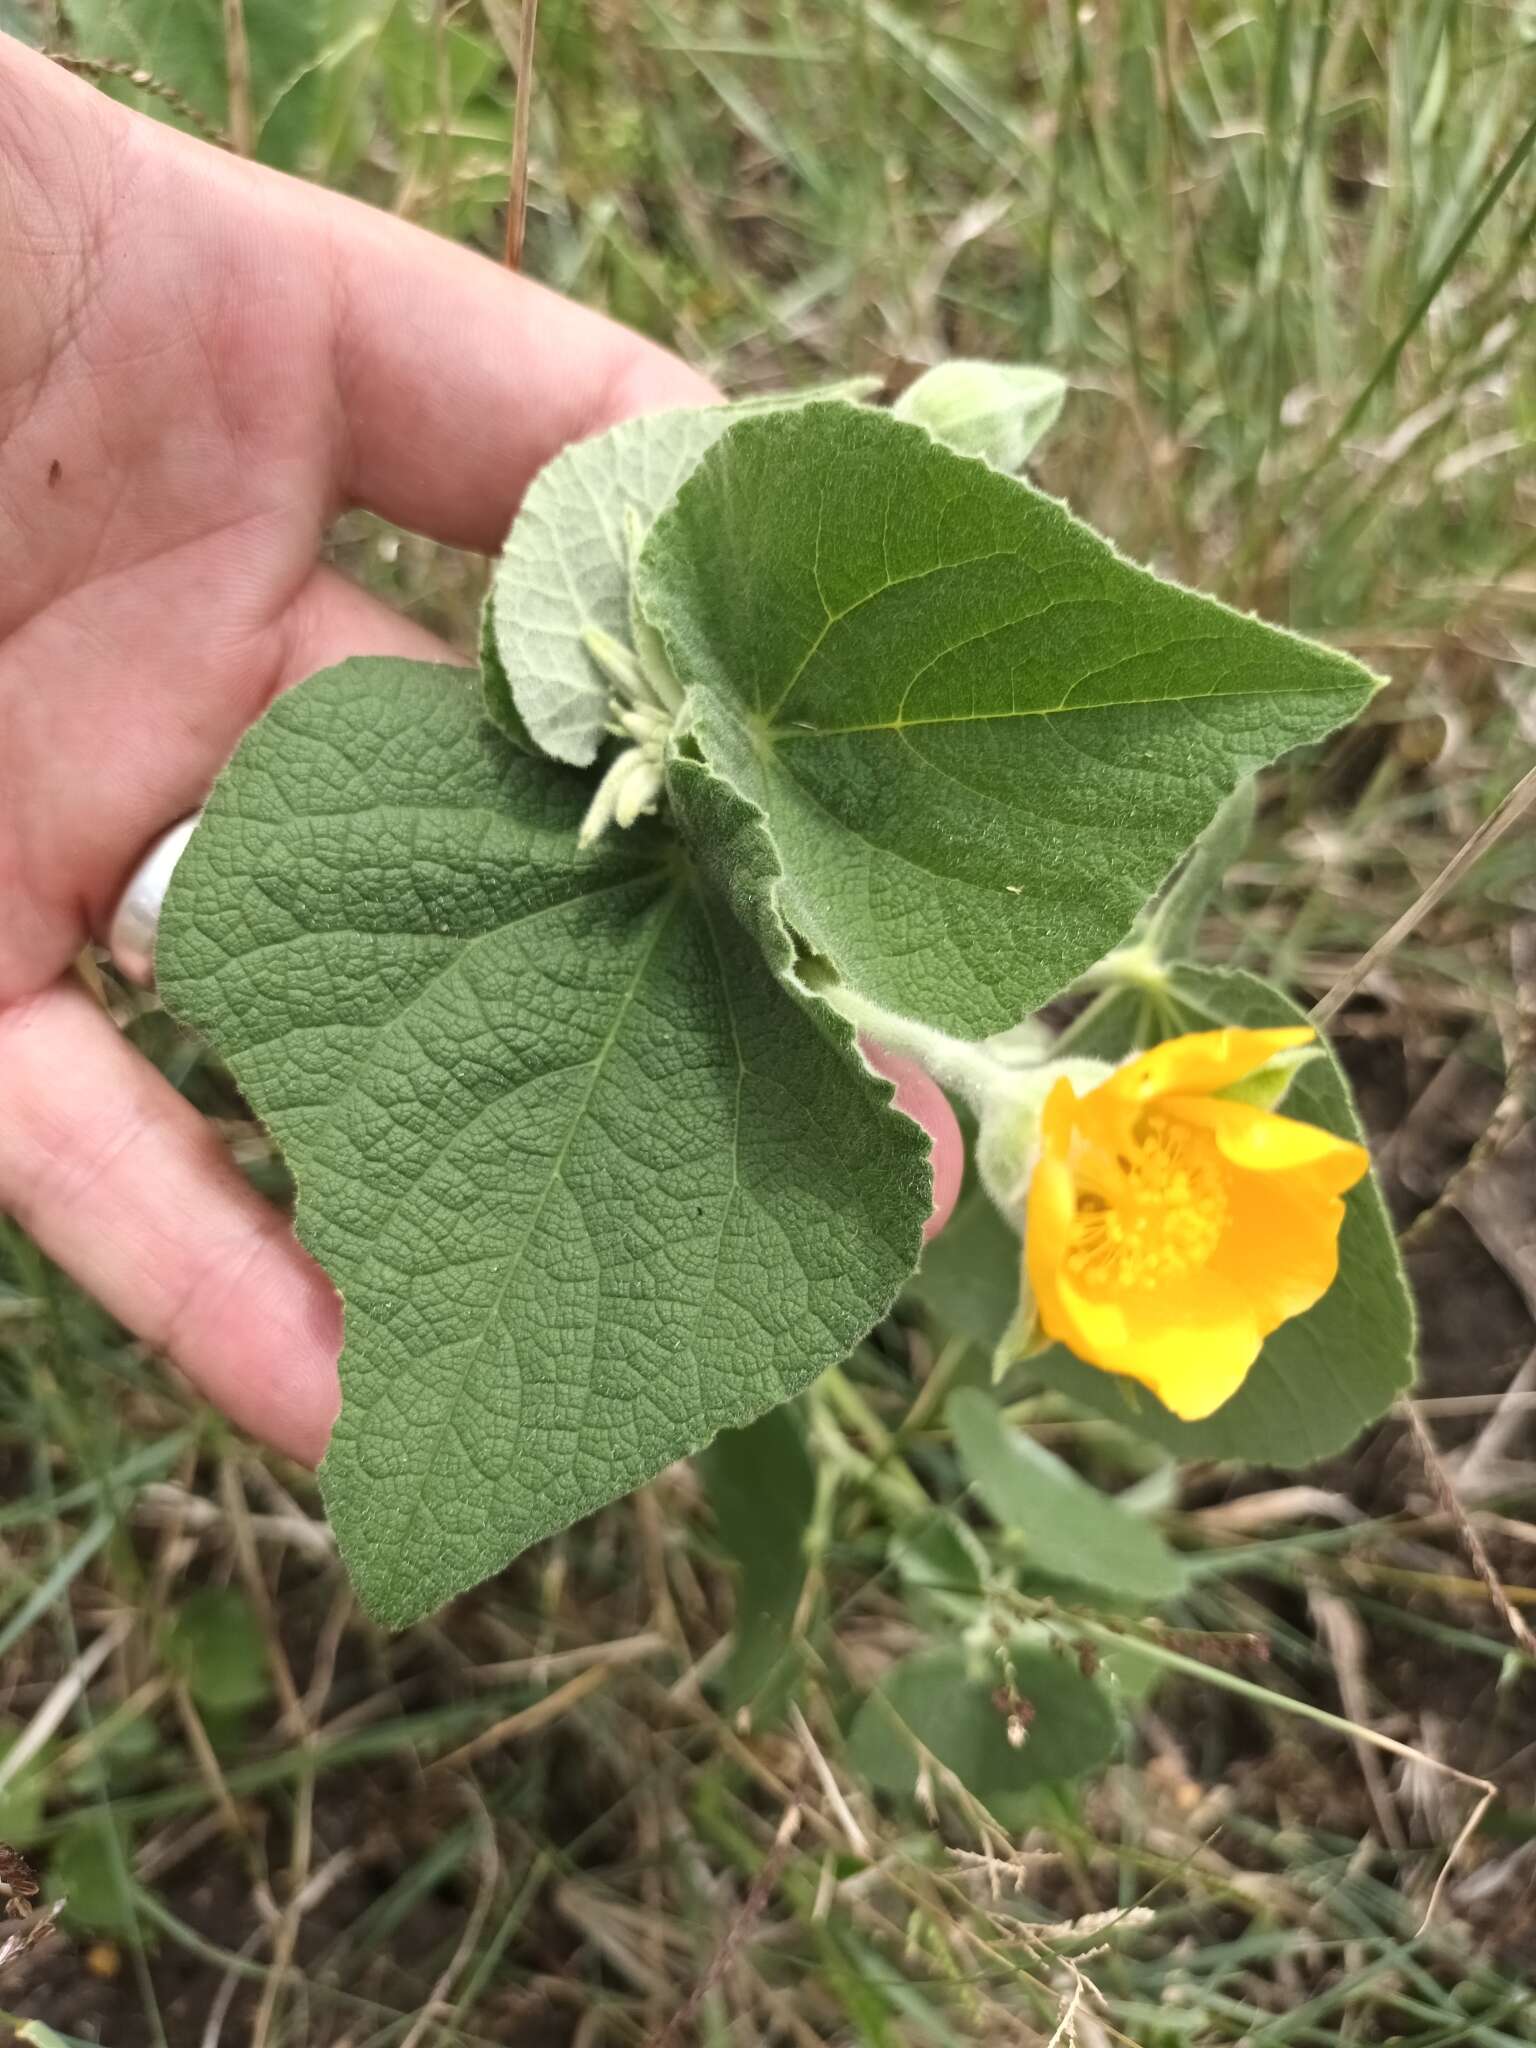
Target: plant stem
[[968, 1069]]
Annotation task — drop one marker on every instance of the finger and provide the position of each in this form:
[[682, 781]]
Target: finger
[[127, 1187], [920, 1097], [332, 620], [457, 379]]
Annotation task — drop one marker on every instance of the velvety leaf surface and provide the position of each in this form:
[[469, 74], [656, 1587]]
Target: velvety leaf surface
[[566, 567], [1070, 1529], [979, 736], [933, 1698], [591, 1182], [1324, 1375], [998, 410]]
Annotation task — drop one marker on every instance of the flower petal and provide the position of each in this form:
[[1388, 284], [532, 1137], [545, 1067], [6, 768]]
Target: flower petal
[[1281, 1246], [1048, 1224], [1258, 1141], [1191, 1346], [1202, 1061]]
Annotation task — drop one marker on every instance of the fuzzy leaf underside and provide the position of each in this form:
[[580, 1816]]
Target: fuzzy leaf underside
[[1323, 1376], [592, 1183], [980, 738], [566, 567]]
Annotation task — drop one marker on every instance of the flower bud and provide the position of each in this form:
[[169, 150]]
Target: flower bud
[[996, 410]]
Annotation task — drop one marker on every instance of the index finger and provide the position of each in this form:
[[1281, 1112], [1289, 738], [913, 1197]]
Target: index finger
[[457, 380]]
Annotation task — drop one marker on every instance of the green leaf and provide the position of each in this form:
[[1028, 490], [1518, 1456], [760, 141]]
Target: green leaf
[[942, 1567], [592, 1182], [762, 1487], [38, 2034], [496, 685], [1324, 1375], [933, 1700], [566, 567], [19, 19], [182, 43], [1172, 923], [1070, 1529], [90, 1867], [23, 1796], [980, 738], [215, 1643], [1267, 1087], [969, 1277], [1000, 411]]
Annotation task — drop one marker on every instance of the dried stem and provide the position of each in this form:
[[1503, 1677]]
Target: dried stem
[[98, 68], [517, 195], [1477, 1554], [237, 72], [1492, 829]]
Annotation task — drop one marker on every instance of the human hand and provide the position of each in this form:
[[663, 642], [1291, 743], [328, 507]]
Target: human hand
[[202, 364]]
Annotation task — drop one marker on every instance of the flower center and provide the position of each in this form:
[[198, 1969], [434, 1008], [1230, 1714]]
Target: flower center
[[1152, 1212]]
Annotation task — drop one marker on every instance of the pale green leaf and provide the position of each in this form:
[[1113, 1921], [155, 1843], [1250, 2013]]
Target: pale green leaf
[[980, 737], [1267, 1087], [931, 1706], [496, 686], [852, 390], [565, 568], [1070, 1529], [592, 1183], [1000, 411], [1324, 1375]]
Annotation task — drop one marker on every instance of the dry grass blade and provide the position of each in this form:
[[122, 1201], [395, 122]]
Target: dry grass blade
[[676, 2030], [517, 191], [1489, 833], [237, 72], [529, 1719], [1477, 1554]]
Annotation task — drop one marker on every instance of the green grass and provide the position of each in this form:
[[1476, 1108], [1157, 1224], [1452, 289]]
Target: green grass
[[1284, 254]]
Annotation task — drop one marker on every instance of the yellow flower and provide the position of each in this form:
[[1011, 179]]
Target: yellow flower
[[1170, 1229]]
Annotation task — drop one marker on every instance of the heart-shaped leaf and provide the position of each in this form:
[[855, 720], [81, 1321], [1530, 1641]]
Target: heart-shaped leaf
[[980, 738], [932, 1706], [592, 1181], [566, 565]]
